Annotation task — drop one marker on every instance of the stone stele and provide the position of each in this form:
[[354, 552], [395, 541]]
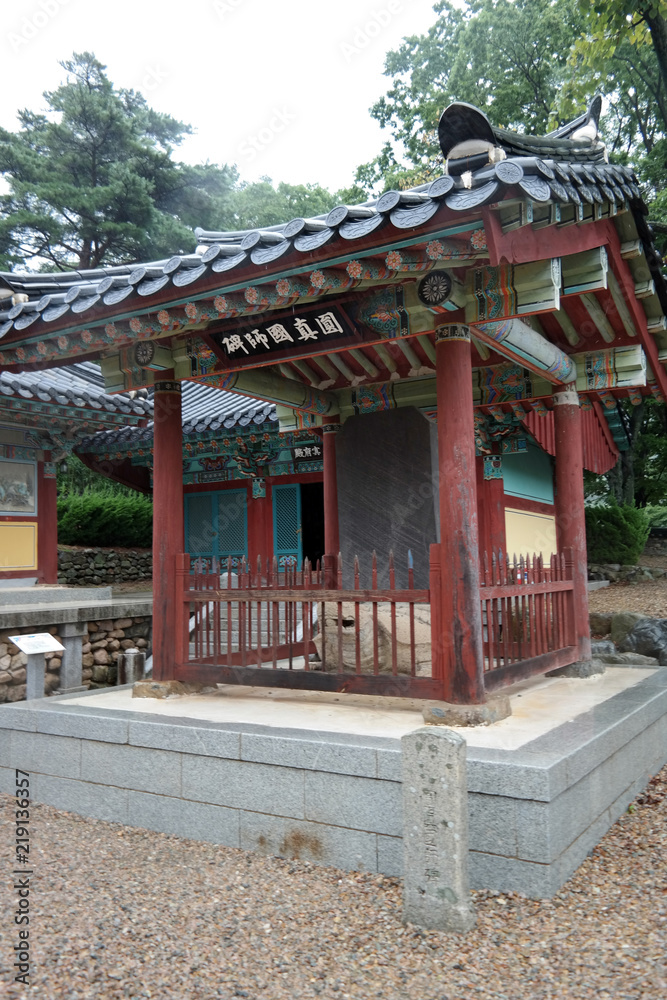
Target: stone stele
[[436, 894]]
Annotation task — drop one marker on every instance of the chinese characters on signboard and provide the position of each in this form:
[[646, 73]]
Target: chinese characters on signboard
[[290, 334], [307, 453]]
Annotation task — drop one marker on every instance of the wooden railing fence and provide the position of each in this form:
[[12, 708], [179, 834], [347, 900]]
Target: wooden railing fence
[[261, 626], [292, 627], [527, 616]]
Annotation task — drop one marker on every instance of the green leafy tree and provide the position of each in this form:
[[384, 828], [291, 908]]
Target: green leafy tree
[[74, 477], [616, 534], [508, 57], [261, 204], [92, 180], [92, 518], [640, 476], [610, 23]]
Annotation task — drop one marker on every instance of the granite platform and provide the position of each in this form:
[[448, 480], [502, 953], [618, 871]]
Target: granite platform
[[58, 610], [320, 776]]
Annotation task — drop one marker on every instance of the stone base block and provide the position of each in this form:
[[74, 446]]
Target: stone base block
[[443, 713], [582, 668], [534, 810], [168, 689]]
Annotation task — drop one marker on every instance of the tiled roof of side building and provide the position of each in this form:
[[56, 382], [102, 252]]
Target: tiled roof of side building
[[567, 167], [82, 384], [78, 385]]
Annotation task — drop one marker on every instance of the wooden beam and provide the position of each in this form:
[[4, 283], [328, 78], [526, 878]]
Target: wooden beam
[[621, 305], [481, 348], [585, 272], [323, 362], [525, 245], [627, 284], [307, 372], [517, 341], [409, 354], [362, 360], [567, 326], [385, 357], [427, 347], [597, 314], [345, 370], [263, 383]]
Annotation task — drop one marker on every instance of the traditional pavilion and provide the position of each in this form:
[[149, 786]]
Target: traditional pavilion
[[452, 355], [43, 416]]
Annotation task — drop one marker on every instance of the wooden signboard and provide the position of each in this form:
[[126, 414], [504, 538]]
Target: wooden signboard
[[286, 334]]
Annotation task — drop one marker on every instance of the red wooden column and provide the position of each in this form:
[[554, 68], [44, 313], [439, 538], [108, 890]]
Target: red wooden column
[[570, 519], [490, 503], [47, 524], [168, 540], [331, 532], [460, 649]]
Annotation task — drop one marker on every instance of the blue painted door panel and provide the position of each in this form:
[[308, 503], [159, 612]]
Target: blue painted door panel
[[287, 535]]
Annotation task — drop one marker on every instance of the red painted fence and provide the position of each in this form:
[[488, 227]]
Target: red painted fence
[[527, 616], [300, 628], [261, 625]]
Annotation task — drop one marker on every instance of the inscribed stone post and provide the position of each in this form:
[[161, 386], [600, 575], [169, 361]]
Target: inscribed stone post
[[71, 667], [435, 831], [35, 675]]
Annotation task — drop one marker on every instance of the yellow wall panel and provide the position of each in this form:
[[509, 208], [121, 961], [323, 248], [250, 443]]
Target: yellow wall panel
[[527, 533], [18, 545]]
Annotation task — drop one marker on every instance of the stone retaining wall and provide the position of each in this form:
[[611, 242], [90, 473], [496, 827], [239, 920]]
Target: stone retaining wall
[[106, 641], [96, 566], [615, 573]]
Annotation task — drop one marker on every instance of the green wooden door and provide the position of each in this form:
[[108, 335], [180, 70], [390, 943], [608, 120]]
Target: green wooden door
[[287, 543], [216, 525]]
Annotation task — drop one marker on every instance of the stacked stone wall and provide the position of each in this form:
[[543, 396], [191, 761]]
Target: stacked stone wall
[[105, 643], [97, 566], [616, 573]]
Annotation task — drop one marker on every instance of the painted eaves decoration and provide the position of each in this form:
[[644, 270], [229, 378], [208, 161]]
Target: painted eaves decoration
[[537, 244]]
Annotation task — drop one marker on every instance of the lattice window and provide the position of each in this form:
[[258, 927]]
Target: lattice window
[[201, 540], [286, 519], [232, 527]]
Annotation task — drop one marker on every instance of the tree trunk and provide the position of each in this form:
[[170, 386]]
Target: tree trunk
[[621, 478], [657, 25]]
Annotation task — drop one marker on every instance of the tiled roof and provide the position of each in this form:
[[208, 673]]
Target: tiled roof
[[79, 385], [97, 295], [209, 409], [557, 180], [205, 409]]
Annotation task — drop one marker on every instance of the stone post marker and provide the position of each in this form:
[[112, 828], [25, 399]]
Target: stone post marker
[[435, 831], [71, 667], [35, 674]]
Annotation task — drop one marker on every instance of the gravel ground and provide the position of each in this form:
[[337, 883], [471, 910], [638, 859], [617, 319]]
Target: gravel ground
[[648, 597], [120, 912]]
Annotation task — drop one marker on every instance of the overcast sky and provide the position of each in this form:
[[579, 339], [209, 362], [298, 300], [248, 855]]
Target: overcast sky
[[279, 87]]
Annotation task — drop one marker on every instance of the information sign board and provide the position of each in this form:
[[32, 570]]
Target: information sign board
[[38, 642]]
